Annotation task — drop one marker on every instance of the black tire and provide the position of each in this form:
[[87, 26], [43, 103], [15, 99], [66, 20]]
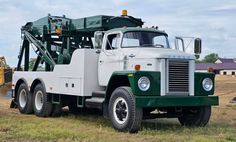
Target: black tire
[[56, 110], [73, 108], [43, 107], [124, 118], [24, 99], [195, 116]]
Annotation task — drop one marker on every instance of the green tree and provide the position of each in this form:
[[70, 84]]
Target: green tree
[[198, 61], [210, 58], [31, 63]]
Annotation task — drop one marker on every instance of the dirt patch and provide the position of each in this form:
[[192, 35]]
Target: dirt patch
[[225, 89], [4, 130]]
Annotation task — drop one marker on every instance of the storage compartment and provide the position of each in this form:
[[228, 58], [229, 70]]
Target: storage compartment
[[80, 77]]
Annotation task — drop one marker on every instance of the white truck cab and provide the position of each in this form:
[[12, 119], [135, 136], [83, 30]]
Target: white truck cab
[[126, 48]]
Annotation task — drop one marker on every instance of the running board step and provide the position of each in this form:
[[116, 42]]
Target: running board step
[[99, 94], [94, 102]]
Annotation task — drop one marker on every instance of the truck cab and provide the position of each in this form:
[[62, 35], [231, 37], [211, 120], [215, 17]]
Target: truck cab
[[157, 75], [125, 49]]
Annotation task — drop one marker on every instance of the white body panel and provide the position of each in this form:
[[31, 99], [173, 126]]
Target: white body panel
[[78, 78]]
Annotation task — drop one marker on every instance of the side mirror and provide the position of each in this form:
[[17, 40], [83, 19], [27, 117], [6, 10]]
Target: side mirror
[[98, 37], [197, 46]]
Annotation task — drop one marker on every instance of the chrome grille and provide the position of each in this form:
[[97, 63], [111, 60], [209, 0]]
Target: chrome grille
[[178, 76]]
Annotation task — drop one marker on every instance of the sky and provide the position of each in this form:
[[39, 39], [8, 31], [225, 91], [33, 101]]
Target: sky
[[214, 21]]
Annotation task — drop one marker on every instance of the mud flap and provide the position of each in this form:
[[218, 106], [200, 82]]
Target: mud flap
[[105, 111], [13, 104]]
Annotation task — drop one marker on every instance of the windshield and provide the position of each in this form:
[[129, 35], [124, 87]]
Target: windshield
[[144, 39]]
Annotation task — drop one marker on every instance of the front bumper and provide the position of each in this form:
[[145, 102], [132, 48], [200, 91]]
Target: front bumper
[[175, 101]]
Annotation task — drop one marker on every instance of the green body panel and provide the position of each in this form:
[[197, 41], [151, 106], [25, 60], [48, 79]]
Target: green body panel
[[175, 101], [87, 24], [134, 76], [39, 24], [152, 98], [198, 78], [155, 86], [104, 22]]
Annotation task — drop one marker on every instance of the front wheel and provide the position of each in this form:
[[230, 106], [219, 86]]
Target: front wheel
[[195, 116], [122, 110]]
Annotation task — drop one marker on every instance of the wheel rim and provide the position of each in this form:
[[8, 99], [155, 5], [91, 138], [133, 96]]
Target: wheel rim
[[39, 100], [22, 98], [120, 110]]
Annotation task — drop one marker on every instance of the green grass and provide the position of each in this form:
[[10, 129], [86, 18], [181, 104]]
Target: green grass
[[90, 128]]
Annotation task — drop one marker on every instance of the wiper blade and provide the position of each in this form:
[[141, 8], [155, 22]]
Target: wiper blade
[[146, 45]]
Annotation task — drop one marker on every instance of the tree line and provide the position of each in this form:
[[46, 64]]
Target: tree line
[[210, 58]]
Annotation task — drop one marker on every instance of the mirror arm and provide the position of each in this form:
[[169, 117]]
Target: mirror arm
[[181, 39]]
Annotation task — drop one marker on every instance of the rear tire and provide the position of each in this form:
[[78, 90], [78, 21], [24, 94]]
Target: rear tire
[[122, 110], [24, 99], [195, 116], [41, 103], [74, 109]]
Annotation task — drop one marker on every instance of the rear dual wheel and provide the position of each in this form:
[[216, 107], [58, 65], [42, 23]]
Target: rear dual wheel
[[41, 103], [24, 99], [38, 103]]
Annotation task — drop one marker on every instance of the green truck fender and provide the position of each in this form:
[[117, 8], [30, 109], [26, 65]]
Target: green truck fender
[[130, 78], [152, 98]]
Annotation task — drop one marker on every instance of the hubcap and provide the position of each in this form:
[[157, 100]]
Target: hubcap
[[22, 98], [120, 110], [39, 100]]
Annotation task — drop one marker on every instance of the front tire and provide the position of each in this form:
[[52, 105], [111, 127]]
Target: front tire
[[122, 110], [24, 100], [195, 116], [41, 103]]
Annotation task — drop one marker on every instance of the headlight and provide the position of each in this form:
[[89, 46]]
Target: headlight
[[207, 84], [143, 83]]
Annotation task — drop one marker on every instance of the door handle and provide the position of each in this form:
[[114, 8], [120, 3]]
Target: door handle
[[101, 61], [131, 55]]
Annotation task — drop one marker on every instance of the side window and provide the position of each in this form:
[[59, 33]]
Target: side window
[[113, 41]]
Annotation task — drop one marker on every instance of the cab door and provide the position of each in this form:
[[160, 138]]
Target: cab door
[[110, 57]]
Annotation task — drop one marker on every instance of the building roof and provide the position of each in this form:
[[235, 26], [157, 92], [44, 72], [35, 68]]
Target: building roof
[[226, 60], [221, 66]]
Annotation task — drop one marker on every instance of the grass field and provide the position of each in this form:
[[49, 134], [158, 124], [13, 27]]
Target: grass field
[[93, 128]]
